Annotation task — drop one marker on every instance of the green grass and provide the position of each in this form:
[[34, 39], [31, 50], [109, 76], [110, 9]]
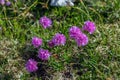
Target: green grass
[[99, 60]]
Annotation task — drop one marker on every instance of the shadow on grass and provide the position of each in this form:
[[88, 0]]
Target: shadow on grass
[[5, 76], [77, 65]]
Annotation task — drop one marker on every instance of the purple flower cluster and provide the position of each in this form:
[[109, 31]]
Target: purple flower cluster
[[36, 42], [80, 38], [89, 26], [2, 2], [43, 54], [8, 3], [58, 39], [31, 65], [45, 22], [74, 32]]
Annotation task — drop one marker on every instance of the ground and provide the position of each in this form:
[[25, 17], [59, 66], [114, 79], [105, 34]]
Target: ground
[[99, 60]]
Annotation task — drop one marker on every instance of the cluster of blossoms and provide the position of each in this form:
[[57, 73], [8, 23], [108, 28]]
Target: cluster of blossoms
[[58, 39], [77, 34], [36, 42], [80, 38], [45, 22], [5, 2], [31, 65], [89, 26], [43, 54]]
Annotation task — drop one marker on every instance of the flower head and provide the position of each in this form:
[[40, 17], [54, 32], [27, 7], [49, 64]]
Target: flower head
[[2, 2], [45, 22], [58, 39], [36, 41], [82, 40], [31, 65], [74, 31], [89, 26], [43, 54], [8, 3]]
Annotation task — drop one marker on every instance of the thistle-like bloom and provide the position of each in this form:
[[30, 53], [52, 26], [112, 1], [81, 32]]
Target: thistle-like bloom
[[36, 42], [43, 54], [89, 26], [74, 31], [8, 3], [31, 65], [2, 2], [82, 40], [45, 22], [58, 39]]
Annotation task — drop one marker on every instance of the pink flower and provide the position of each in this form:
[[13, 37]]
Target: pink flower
[[2, 2], [31, 65], [45, 22], [43, 54], [8, 3], [58, 39], [74, 31], [82, 40], [36, 41], [89, 26]]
